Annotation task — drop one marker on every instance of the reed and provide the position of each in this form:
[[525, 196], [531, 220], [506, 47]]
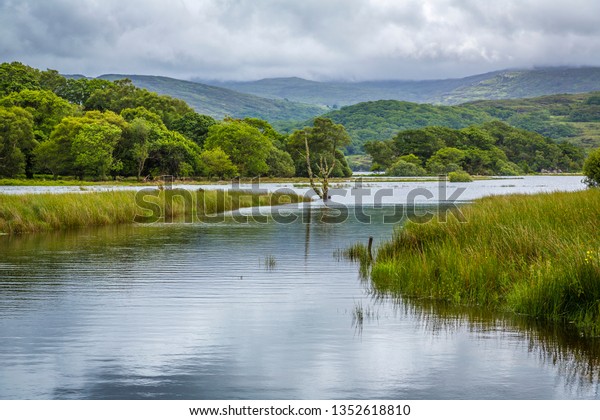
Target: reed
[[537, 255], [44, 212]]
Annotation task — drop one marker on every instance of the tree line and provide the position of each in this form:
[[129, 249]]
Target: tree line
[[492, 148], [91, 128]]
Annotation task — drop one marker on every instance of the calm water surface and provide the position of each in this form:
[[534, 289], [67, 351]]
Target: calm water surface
[[196, 311]]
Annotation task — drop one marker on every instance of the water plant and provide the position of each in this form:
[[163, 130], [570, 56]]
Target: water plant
[[270, 262], [535, 255]]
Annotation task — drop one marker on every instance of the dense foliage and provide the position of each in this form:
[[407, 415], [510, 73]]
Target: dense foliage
[[90, 128], [493, 148], [591, 169]]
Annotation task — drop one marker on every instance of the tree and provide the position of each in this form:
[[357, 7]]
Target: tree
[[194, 126], [247, 147], [15, 77], [16, 140], [139, 147], [93, 149], [173, 154], [382, 152], [591, 169], [447, 159], [321, 152], [46, 108], [216, 162], [57, 154], [421, 143], [280, 164], [129, 114]]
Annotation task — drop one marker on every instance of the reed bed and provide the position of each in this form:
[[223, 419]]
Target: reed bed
[[537, 255], [29, 213]]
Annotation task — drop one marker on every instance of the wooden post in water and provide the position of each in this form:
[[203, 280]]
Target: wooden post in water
[[370, 247]]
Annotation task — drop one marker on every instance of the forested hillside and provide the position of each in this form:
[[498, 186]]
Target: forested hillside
[[220, 103]]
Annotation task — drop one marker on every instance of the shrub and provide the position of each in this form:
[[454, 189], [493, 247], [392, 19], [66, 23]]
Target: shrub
[[459, 176], [591, 169], [404, 168]]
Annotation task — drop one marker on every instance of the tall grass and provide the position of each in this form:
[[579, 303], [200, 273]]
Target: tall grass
[[537, 255], [44, 212]]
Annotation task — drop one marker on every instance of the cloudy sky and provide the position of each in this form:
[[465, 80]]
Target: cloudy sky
[[315, 39]]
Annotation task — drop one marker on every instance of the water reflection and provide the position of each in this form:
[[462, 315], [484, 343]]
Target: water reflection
[[577, 358], [189, 311]]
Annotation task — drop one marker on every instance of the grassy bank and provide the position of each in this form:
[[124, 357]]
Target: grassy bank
[[535, 255], [44, 212]]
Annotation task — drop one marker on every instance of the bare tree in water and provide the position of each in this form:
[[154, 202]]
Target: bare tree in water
[[319, 146]]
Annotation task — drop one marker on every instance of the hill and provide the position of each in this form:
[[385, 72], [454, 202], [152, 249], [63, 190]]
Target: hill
[[380, 120], [575, 118], [219, 102], [504, 84]]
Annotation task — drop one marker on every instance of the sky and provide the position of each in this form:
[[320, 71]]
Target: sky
[[313, 39]]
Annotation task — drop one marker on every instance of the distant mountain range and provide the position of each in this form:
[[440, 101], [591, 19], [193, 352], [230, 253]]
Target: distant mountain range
[[295, 99], [506, 84], [219, 102]]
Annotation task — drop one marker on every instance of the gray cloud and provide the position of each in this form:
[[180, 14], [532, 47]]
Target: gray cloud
[[327, 39]]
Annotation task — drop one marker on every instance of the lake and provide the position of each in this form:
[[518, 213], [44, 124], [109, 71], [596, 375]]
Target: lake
[[263, 310]]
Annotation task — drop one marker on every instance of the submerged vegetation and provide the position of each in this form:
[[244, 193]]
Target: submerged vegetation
[[533, 255], [44, 212]]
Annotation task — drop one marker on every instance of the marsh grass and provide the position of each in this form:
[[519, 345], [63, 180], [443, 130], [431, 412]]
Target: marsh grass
[[537, 255], [45, 212]]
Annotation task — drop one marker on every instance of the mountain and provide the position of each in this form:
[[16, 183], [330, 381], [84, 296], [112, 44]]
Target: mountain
[[504, 84], [219, 102]]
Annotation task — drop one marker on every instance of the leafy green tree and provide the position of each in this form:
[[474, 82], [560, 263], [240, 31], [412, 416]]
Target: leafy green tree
[[591, 169], [278, 140], [15, 77], [194, 126], [57, 154], [173, 154], [247, 147], [16, 140], [53, 81], [216, 162], [476, 137], [447, 159], [122, 94], [78, 91], [411, 159], [130, 114], [46, 108], [421, 143], [280, 164], [138, 145], [93, 149], [382, 153]]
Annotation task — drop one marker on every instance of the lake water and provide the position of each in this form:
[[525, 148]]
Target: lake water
[[260, 311]]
